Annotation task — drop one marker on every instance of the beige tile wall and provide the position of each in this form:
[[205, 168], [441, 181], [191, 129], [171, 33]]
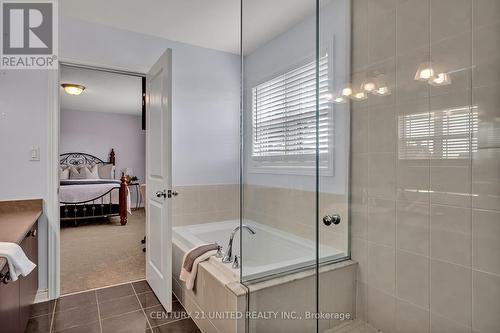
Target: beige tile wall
[[426, 232], [197, 204], [294, 211]]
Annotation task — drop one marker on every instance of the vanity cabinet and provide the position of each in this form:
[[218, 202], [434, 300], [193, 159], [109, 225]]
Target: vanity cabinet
[[16, 297], [9, 305]]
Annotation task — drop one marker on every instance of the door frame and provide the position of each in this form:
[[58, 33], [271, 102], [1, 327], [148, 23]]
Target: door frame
[[51, 208]]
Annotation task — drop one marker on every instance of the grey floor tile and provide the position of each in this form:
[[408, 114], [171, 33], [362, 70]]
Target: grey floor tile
[[89, 328], [110, 293], [40, 324], [133, 322], [75, 317], [158, 316], [119, 306], [180, 326], [141, 287], [76, 301], [148, 300], [43, 308]]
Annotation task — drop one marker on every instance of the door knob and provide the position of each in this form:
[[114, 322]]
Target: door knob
[[172, 193], [331, 219], [160, 194]]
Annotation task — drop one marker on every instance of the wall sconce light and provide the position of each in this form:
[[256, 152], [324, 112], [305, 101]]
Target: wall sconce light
[[368, 85], [347, 91], [441, 79], [381, 86], [359, 96], [425, 72]]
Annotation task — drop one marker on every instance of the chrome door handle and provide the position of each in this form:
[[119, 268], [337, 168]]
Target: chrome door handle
[[331, 219], [160, 194], [172, 193]]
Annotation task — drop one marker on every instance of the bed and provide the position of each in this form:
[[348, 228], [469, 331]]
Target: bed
[[94, 197]]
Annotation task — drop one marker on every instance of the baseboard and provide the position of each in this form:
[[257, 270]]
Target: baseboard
[[42, 295]]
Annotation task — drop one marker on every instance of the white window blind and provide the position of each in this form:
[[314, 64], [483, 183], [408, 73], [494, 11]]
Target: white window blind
[[284, 117], [443, 134]]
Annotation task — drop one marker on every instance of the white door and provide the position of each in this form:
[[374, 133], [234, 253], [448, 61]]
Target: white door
[[159, 179]]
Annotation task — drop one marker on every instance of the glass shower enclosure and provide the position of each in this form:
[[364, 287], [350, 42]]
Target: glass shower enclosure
[[295, 134]]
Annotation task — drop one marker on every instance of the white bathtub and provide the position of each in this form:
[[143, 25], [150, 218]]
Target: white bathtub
[[270, 251]]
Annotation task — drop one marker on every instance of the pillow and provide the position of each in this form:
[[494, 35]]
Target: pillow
[[77, 173], [106, 171], [91, 172], [63, 173]]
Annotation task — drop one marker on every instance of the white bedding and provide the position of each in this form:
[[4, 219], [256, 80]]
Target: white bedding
[[86, 189]]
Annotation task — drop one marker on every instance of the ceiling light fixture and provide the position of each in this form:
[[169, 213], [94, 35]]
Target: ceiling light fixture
[[73, 89]]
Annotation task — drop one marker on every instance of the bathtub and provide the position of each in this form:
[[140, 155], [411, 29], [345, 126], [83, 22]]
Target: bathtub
[[269, 252], [266, 254]]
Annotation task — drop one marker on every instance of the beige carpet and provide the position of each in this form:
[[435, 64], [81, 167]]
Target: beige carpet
[[101, 253]]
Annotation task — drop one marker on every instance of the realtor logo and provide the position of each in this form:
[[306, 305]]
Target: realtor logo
[[29, 39]]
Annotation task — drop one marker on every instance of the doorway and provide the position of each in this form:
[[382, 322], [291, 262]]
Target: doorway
[[156, 101], [101, 178]]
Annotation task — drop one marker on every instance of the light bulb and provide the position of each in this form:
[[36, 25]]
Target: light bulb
[[368, 85], [382, 91], [347, 92], [359, 96], [425, 72], [441, 79]]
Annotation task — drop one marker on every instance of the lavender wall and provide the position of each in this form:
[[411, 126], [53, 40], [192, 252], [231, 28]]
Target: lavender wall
[[97, 132], [205, 86]]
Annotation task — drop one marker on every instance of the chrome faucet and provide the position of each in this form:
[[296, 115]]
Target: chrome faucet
[[229, 254]]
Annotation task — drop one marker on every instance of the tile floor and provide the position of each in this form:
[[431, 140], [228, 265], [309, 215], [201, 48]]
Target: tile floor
[[130, 307]]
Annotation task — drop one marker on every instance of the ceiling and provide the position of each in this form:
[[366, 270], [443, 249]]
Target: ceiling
[[104, 92], [208, 23]]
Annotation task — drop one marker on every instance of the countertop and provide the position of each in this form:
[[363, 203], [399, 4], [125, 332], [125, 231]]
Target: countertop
[[16, 219]]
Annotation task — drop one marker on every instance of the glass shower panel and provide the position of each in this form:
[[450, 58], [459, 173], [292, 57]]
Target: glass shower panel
[[336, 292], [279, 163]]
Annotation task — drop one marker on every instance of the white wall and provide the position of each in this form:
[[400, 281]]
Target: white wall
[[205, 110], [23, 122], [288, 51]]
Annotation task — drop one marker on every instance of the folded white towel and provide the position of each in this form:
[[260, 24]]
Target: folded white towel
[[189, 277], [18, 262]]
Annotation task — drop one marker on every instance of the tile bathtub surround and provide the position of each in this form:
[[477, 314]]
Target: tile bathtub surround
[[131, 307], [425, 228], [293, 211], [197, 204]]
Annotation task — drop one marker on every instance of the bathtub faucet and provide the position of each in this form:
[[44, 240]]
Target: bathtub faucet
[[229, 254]]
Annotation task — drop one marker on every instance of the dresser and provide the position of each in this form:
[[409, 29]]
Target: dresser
[[19, 224]]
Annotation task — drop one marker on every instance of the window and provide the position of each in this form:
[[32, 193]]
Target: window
[[284, 119], [443, 134]]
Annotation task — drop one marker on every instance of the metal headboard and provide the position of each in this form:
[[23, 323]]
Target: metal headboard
[[78, 159]]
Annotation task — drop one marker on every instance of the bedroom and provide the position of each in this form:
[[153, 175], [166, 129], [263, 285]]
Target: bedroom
[[101, 140]]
